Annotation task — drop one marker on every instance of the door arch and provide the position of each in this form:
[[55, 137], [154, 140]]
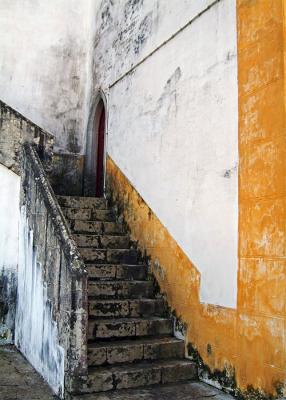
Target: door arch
[[94, 176]]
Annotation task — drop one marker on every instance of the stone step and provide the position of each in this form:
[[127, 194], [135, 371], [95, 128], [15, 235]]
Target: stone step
[[88, 214], [103, 241], [96, 227], [120, 289], [131, 351], [129, 327], [132, 308], [106, 256], [117, 271], [83, 202], [77, 213], [139, 375]]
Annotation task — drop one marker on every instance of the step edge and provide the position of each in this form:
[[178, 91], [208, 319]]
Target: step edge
[[144, 365]]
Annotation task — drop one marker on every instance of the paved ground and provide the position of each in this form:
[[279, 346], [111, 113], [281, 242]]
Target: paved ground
[[180, 391], [19, 381]]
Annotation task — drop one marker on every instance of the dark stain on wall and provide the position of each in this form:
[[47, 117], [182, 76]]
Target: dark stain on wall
[[227, 380], [8, 293], [66, 175], [228, 173], [167, 102], [65, 103], [106, 18], [144, 31], [132, 7], [71, 129]]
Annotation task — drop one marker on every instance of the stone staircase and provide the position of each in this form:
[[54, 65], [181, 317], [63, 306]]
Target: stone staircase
[[130, 334]]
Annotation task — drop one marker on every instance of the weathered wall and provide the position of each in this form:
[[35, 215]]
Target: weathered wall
[[66, 174], [37, 334], [244, 347], [262, 204], [208, 329], [43, 64], [15, 130], [125, 32], [51, 314], [9, 215], [159, 126]]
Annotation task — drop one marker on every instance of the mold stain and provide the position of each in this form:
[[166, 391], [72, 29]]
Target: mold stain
[[8, 290], [228, 173], [105, 14], [71, 128], [131, 8], [144, 31]]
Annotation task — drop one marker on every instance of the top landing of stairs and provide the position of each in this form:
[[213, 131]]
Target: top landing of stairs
[[99, 203]]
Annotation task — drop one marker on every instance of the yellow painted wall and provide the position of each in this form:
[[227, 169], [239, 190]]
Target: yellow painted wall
[[250, 339], [262, 237]]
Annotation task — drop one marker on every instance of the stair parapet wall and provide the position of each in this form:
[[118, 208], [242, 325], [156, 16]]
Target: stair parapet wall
[[15, 130]]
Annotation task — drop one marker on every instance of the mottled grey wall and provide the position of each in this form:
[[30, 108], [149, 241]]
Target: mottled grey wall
[[66, 174], [9, 212], [169, 72], [51, 312], [43, 64]]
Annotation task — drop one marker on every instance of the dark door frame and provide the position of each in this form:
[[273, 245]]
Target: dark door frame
[[96, 139], [100, 153]]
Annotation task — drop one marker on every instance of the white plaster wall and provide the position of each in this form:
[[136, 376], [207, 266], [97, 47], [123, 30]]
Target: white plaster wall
[[43, 64], [36, 334], [9, 217], [173, 132]]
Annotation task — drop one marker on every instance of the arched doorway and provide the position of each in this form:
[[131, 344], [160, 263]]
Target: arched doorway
[[94, 176]]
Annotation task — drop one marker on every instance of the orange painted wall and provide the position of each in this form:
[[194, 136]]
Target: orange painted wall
[[262, 236], [250, 339]]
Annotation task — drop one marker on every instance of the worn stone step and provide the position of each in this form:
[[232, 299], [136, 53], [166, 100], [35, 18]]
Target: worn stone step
[[117, 271], [96, 227], [77, 213], [130, 351], [103, 241], [102, 215], [88, 214], [127, 308], [129, 327], [92, 255], [120, 289], [139, 375], [83, 202]]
